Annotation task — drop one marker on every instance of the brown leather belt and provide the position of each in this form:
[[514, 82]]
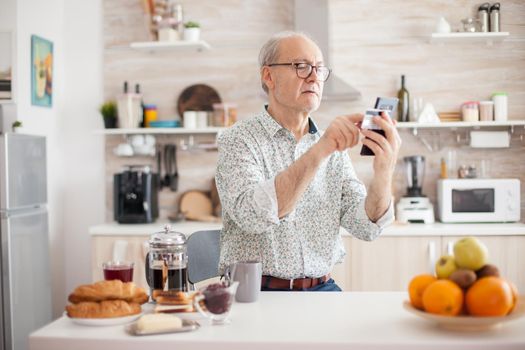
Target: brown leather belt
[[293, 284]]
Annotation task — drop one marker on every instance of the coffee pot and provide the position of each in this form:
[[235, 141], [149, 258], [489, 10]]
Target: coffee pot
[[167, 261]]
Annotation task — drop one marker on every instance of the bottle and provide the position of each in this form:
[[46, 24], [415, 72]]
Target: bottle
[[142, 122], [494, 17], [483, 16], [403, 106], [444, 172]]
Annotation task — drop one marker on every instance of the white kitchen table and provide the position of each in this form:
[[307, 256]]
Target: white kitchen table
[[294, 321]]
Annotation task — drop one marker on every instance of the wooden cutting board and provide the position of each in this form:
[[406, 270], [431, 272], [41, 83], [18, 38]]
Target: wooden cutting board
[[197, 205]]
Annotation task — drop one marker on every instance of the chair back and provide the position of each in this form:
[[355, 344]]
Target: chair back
[[203, 255]]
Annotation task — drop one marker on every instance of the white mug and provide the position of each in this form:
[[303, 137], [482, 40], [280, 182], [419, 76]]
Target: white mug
[[249, 276], [190, 119]]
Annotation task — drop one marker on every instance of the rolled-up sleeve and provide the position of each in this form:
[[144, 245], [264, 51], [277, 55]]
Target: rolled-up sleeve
[[353, 214], [247, 197]]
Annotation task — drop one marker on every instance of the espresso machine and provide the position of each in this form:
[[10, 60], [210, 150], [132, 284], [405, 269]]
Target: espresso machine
[[415, 207], [167, 262], [135, 195]]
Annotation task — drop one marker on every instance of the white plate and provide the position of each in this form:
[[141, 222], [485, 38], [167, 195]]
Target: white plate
[[97, 322]]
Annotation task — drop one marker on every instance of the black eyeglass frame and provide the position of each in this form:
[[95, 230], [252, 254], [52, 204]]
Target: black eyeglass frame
[[296, 66]]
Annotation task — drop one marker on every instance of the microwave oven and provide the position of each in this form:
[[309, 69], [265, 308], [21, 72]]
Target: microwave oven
[[478, 200]]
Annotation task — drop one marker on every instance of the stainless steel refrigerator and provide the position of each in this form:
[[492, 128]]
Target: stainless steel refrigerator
[[25, 277]]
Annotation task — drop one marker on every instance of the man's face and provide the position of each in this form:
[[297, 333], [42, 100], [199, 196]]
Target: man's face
[[287, 88]]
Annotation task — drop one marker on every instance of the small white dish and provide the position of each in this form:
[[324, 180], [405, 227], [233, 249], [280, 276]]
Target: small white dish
[[98, 322], [123, 150]]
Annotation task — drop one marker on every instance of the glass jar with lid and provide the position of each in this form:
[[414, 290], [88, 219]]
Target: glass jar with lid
[[167, 261], [470, 111]]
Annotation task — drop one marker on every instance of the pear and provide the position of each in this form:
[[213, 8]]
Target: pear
[[445, 266], [470, 253]]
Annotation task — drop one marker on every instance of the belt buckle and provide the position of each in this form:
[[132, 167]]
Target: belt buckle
[[291, 284]]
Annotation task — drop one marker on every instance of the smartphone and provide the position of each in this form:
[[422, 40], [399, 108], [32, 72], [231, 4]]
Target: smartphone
[[388, 104]]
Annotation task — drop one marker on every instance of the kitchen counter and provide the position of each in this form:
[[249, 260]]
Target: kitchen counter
[[288, 320], [396, 229], [116, 229]]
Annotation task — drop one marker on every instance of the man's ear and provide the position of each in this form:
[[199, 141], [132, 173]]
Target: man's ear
[[267, 77]]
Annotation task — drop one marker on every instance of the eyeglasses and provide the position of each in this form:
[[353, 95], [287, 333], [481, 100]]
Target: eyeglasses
[[304, 70]]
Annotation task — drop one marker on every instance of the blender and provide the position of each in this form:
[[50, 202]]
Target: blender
[[415, 207]]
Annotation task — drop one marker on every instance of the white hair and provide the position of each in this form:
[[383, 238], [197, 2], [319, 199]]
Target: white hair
[[270, 50]]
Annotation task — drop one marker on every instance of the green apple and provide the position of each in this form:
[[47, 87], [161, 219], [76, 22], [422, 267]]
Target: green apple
[[445, 266], [470, 253]]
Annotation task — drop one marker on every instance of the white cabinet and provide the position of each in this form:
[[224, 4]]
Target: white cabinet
[[388, 263]]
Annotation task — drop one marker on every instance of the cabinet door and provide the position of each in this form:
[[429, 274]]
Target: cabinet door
[[506, 252], [341, 272], [102, 250], [389, 263]]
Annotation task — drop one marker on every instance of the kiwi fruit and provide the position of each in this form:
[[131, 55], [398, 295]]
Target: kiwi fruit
[[463, 277], [488, 270]]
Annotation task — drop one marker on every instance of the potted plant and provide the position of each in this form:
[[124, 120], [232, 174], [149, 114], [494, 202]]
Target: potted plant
[[191, 31], [16, 125], [109, 113]]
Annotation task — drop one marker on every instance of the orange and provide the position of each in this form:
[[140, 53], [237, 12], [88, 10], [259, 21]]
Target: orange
[[416, 287], [489, 296], [443, 297]]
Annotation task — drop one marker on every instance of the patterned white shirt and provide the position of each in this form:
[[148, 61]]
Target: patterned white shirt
[[306, 242]]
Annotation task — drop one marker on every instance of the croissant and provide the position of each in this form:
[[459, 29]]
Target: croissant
[[103, 309], [109, 290]]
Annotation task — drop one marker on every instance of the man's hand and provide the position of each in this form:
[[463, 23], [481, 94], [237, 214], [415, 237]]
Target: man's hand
[[341, 134], [385, 148]]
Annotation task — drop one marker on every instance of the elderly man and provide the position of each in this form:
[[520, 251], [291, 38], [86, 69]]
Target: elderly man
[[286, 187]]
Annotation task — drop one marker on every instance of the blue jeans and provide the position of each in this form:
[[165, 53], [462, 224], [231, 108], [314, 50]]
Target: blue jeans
[[328, 286]]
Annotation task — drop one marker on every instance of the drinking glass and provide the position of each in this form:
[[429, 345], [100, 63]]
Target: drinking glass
[[215, 301], [118, 270]]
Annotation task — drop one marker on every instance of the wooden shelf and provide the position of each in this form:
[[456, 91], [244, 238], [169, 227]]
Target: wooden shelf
[[409, 125], [175, 131], [158, 46], [465, 37]]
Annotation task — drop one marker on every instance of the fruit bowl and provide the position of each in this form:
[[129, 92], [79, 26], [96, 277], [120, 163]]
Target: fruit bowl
[[469, 323]]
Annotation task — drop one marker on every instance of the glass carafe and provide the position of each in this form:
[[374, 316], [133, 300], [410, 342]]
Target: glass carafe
[[167, 262]]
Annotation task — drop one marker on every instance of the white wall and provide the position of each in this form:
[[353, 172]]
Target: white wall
[[84, 151], [45, 19], [75, 154]]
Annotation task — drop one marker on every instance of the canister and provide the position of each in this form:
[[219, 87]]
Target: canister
[[150, 114], [486, 110], [470, 111], [500, 100]]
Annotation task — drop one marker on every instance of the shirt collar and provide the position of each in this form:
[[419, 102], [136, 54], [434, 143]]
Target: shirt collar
[[271, 125]]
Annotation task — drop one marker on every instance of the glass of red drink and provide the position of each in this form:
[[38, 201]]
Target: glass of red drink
[[118, 270]]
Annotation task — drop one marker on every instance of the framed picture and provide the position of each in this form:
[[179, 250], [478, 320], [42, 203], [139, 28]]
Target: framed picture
[[41, 72], [5, 66]]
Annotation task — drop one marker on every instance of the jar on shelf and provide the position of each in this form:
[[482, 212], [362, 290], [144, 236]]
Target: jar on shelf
[[500, 100], [470, 111], [224, 114], [150, 114], [486, 111]]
